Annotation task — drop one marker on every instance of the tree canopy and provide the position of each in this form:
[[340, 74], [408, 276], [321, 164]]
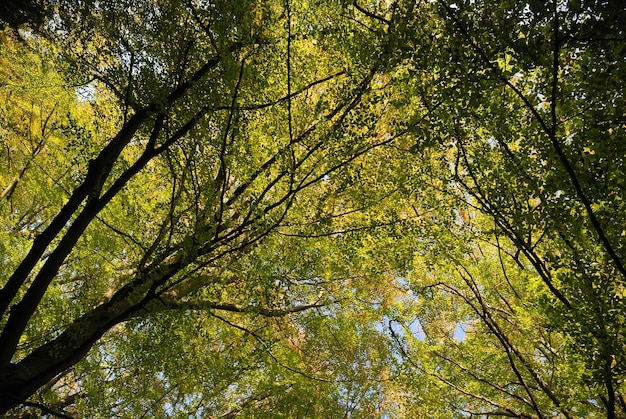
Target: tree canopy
[[313, 209]]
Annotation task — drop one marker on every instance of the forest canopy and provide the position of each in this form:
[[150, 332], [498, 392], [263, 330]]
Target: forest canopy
[[308, 208]]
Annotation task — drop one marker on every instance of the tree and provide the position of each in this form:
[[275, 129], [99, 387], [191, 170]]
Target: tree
[[197, 131], [315, 209], [535, 109]]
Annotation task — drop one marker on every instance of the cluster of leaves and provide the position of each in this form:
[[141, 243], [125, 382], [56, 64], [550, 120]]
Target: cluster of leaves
[[314, 209], [525, 143]]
